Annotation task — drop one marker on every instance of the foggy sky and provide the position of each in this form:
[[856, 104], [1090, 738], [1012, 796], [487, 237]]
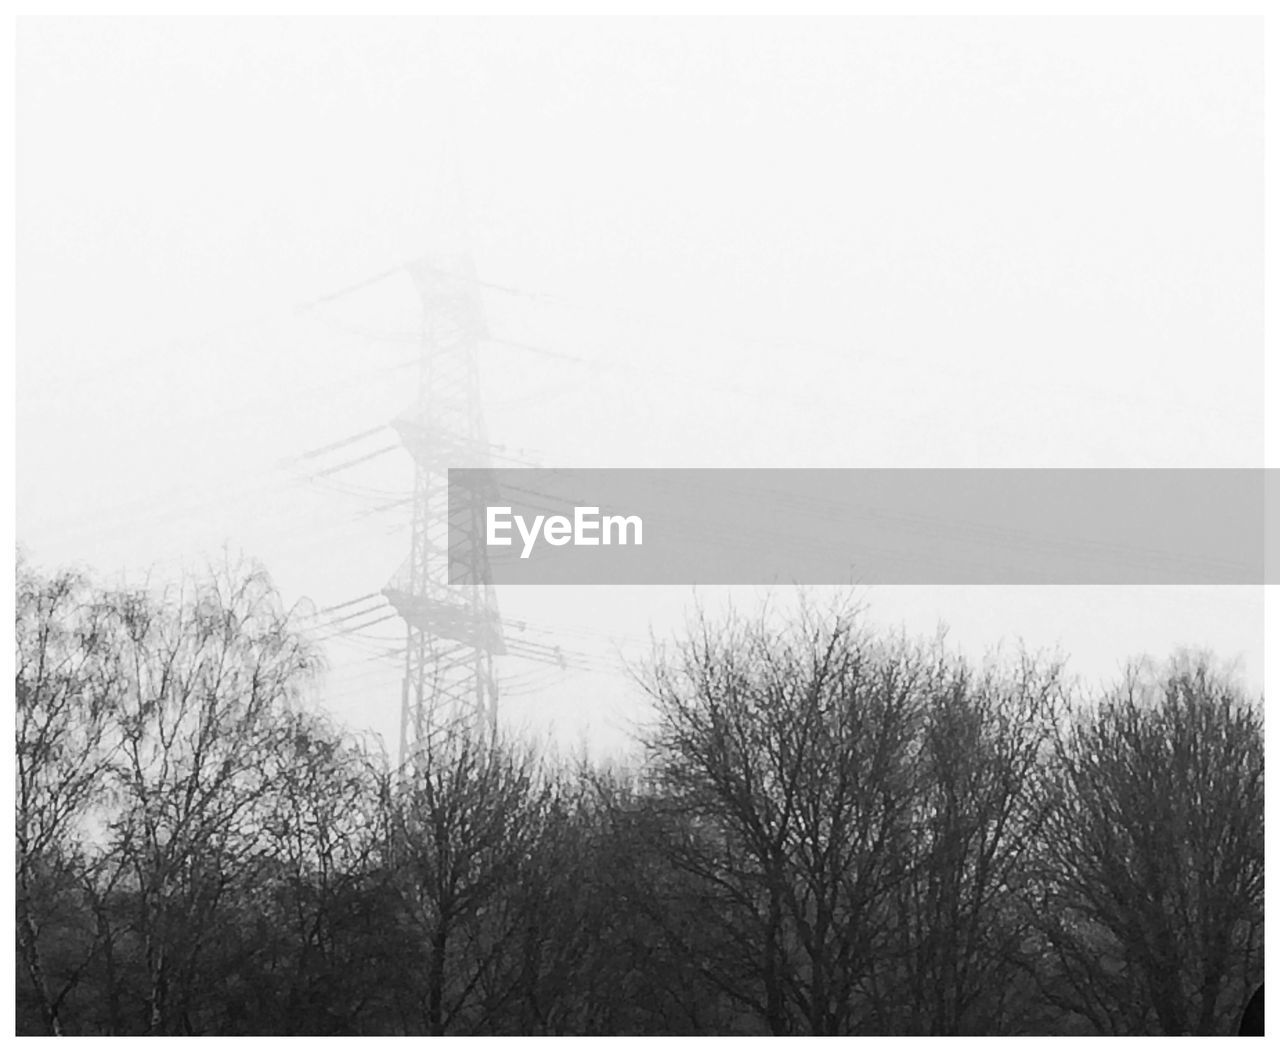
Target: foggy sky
[[870, 243]]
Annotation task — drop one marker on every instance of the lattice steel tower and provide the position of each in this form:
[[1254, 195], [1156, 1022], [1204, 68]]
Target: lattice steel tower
[[454, 632]]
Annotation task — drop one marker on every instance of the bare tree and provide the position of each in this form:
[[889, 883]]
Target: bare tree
[[206, 675], [792, 756], [325, 842], [1152, 890], [831, 832], [958, 951], [467, 821], [64, 702]]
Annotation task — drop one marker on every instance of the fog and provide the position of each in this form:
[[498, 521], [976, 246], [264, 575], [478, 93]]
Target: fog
[[871, 243]]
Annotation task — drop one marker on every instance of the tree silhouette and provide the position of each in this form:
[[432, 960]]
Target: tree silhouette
[[1153, 857]]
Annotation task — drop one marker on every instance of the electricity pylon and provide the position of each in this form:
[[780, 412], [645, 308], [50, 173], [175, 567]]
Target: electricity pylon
[[454, 632]]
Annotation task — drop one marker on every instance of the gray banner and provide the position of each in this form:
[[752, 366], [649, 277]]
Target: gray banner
[[713, 526]]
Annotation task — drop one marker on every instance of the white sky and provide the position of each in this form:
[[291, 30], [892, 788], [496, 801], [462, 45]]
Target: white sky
[[867, 243]]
